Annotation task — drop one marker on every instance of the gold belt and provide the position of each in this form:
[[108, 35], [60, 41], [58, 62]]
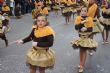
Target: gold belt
[[40, 48]]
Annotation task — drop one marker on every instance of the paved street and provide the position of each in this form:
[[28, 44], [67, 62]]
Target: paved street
[[12, 58]]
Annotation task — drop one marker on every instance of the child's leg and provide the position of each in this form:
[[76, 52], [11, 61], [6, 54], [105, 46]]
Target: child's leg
[[32, 69], [42, 70], [3, 37]]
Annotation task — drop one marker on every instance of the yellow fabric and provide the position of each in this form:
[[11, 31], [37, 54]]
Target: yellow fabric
[[48, 2], [56, 7], [45, 31], [44, 11], [86, 1], [63, 1], [106, 21], [85, 42], [1, 31], [0, 23], [89, 22], [74, 1], [92, 10], [41, 57], [104, 9], [5, 8], [35, 12], [78, 20], [1, 26], [69, 2]]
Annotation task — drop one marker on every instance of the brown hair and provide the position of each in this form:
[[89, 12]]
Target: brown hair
[[38, 15]]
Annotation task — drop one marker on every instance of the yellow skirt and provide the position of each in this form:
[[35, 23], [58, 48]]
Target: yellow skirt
[[1, 31], [56, 7], [97, 26], [105, 21], [41, 57], [84, 43]]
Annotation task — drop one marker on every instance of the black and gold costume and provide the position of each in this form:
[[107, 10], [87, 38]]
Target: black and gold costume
[[48, 5], [89, 25], [2, 34], [44, 10], [69, 7], [67, 11], [93, 11], [5, 9], [106, 18], [56, 6], [41, 55], [39, 9], [84, 41]]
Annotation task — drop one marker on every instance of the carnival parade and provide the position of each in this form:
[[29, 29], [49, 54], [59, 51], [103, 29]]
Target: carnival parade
[[54, 36]]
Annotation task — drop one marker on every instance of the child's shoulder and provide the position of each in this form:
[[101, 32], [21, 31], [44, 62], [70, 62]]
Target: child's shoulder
[[78, 17]]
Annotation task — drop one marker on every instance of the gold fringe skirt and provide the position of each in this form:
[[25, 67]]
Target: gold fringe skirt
[[1, 31], [57, 7], [97, 26], [40, 57], [84, 43]]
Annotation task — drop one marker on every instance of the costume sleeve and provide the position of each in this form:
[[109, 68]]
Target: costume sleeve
[[77, 20], [49, 43], [78, 27], [29, 38], [90, 22], [78, 24], [46, 11], [8, 9]]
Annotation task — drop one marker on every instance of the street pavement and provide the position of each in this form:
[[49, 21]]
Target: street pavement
[[12, 58]]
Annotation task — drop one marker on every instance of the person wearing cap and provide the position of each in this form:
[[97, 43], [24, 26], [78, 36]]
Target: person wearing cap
[[40, 56]]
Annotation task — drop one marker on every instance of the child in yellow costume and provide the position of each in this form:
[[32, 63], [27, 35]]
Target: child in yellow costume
[[2, 29], [84, 26], [40, 56], [5, 8], [40, 8], [105, 20]]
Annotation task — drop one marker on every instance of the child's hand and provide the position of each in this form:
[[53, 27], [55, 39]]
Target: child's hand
[[19, 41], [84, 21], [83, 29]]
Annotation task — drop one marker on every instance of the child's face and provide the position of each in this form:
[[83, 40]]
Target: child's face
[[41, 21], [83, 11]]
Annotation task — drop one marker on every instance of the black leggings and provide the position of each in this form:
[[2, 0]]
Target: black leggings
[[3, 37]]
